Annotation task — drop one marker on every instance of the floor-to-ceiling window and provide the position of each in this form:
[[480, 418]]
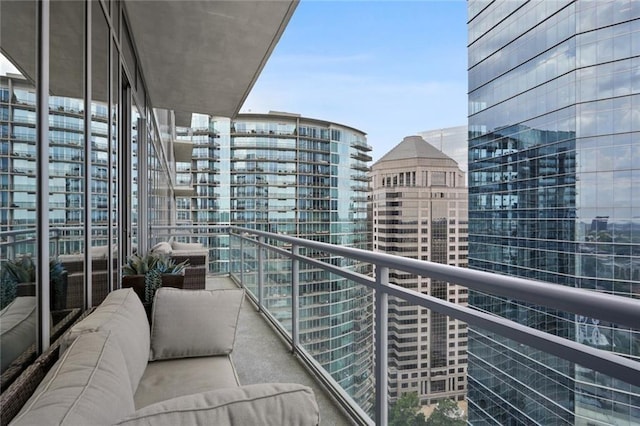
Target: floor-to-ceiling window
[[74, 112]]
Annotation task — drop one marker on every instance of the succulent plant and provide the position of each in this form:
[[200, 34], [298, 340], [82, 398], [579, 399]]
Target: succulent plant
[[139, 265], [152, 266], [166, 265], [23, 270]]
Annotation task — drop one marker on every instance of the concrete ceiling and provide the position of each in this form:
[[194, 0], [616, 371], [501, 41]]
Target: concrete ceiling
[[205, 56], [196, 56]]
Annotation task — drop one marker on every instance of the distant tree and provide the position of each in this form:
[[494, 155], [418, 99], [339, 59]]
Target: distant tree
[[447, 413], [406, 411]]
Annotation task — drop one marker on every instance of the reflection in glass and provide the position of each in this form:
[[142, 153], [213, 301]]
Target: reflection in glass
[[18, 261]]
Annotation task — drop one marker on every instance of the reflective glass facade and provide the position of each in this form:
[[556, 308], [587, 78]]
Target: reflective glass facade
[[554, 195], [302, 177], [69, 165]]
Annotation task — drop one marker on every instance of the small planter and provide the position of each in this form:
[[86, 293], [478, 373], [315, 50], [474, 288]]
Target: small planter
[[172, 280], [25, 289], [137, 283]]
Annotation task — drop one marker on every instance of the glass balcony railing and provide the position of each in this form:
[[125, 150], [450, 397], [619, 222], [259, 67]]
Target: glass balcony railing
[[336, 305]]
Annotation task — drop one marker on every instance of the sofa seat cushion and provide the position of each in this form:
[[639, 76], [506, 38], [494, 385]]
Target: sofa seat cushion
[[172, 378], [122, 314], [17, 328], [194, 323], [89, 384], [281, 404]]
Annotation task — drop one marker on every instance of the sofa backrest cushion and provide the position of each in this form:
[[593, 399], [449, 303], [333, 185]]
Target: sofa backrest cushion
[[122, 314], [17, 328], [162, 247], [89, 384], [191, 323], [175, 245], [282, 404]]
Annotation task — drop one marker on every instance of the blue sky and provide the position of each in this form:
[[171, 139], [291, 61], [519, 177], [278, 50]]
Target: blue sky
[[388, 68]]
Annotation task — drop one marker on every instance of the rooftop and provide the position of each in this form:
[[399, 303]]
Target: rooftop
[[413, 147]]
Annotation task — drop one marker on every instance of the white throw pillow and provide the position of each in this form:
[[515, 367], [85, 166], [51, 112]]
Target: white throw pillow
[[191, 323]]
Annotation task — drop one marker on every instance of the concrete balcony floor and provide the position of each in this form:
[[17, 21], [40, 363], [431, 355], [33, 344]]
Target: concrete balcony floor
[[261, 356]]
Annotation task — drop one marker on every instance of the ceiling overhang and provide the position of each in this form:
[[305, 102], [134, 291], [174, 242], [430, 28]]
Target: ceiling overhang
[[205, 56], [195, 56]]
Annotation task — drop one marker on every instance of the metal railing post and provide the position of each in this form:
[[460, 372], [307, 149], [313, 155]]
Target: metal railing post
[[381, 314], [295, 299], [241, 262], [56, 242], [43, 316], [260, 272]]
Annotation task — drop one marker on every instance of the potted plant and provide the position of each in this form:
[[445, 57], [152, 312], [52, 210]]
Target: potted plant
[[19, 276], [145, 274], [135, 272], [171, 273]]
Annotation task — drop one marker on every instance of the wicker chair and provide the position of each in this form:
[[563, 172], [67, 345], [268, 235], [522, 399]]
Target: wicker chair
[[76, 279], [195, 275]]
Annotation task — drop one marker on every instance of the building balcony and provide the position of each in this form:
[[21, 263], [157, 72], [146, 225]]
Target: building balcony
[[361, 167], [182, 150], [276, 341], [362, 145], [361, 156], [250, 248]]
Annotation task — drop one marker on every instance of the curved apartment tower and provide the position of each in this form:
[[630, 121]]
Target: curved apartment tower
[[303, 177]]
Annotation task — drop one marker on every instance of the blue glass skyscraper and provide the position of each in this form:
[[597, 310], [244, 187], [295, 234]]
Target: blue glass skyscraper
[[554, 195]]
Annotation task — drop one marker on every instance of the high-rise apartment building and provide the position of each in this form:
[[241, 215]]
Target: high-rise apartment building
[[18, 167], [303, 177], [420, 211], [554, 195]]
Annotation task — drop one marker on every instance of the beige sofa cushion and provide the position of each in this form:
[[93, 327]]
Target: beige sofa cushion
[[193, 323], [88, 385], [279, 404], [123, 314], [162, 247], [17, 328], [168, 379], [186, 246]]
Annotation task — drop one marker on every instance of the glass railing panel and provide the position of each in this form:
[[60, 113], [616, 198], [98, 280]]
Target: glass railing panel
[[510, 378], [429, 353], [336, 330], [235, 257], [427, 361], [277, 288], [249, 266]]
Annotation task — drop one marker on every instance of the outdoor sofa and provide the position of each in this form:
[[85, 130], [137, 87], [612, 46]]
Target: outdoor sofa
[[114, 369]]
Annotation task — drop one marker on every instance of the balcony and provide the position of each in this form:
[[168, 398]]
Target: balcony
[[288, 329], [268, 267], [182, 150]]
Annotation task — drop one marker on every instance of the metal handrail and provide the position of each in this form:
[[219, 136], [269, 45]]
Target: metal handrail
[[616, 309]]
